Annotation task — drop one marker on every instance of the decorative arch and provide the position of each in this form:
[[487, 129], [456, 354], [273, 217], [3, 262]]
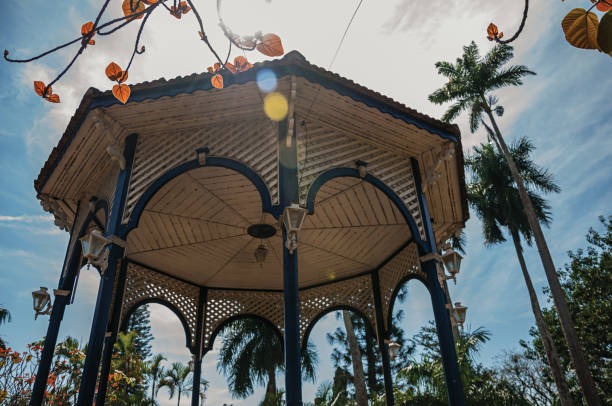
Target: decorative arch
[[250, 174], [211, 340], [354, 173], [331, 309], [400, 285], [143, 285], [128, 313]]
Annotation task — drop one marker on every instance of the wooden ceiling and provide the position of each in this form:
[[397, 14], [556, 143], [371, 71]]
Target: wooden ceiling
[[195, 228]]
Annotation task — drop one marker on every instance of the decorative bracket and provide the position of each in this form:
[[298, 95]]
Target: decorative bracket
[[103, 122], [432, 174], [202, 154]]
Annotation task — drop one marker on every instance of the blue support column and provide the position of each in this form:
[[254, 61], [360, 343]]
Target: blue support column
[[293, 374], [384, 348], [454, 387], [107, 282], [197, 350], [109, 341], [71, 265], [46, 356]]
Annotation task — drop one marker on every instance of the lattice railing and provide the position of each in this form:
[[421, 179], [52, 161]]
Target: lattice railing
[[356, 293], [323, 149], [253, 143], [404, 264], [222, 305], [143, 284]]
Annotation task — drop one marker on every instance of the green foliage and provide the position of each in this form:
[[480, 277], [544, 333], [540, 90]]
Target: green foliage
[[140, 322], [587, 282], [471, 79], [251, 355], [5, 317], [493, 194], [175, 379]]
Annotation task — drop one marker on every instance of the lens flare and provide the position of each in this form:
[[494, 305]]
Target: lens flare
[[276, 106], [266, 80]]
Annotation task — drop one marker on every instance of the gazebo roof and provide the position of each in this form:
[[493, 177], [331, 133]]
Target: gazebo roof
[[194, 225]]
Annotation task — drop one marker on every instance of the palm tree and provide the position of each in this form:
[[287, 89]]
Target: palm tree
[[493, 195], [175, 380], [252, 354], [5, 317], [470, 82], [155, 371], [203, 387]]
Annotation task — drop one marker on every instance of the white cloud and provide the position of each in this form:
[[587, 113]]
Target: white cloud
[[27, 218]]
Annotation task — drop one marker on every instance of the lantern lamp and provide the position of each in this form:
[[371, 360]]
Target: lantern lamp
[[393, 349], [460, 311], [260, 255], [93, 244], [41, 299], [293, 218], [452, 262]]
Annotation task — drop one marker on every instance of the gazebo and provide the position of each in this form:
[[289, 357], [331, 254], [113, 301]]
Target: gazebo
[[229, 203]]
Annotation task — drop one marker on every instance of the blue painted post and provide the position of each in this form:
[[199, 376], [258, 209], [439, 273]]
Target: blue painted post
[[450, 363], [107, 282], [384, 348], [71, 265], [46, 356], [293, 374], [99, 326], [197, 350], [110, 340]]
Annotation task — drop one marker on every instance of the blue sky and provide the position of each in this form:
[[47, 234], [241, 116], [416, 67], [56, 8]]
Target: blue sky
[[390, 48]]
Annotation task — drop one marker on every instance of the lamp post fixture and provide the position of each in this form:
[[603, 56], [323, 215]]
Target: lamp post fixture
[[459, 313], [452, 262], [93, 245], [293, 218], [260, 254], [42, 299], [393, 349]]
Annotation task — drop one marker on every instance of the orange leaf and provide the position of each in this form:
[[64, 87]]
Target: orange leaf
[[39, 87], [92, 42], [127, 8], [601, 6], [231, 67], [217, 81], [86, 28], [492, 32], [271, 45], [113, 71], [210, 69], [121, 92], [201, 35], [217, 66], [242, 64], [53, 98]]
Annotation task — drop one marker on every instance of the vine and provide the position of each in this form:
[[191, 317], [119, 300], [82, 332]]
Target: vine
[[581, 27], [268, 44]]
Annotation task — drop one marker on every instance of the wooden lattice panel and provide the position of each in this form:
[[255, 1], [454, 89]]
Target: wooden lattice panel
[[142, 284], [355, 293], [321, 149], [403, 264], [251, 142], [222, 305]]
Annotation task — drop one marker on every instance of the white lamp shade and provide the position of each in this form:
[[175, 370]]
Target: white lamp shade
[[293, 217], [460, 311], [92, 245], [393, 349], [41, 298], [452, 261]]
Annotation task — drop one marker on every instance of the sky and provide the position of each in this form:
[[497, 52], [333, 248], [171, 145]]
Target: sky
[[391, 47]]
